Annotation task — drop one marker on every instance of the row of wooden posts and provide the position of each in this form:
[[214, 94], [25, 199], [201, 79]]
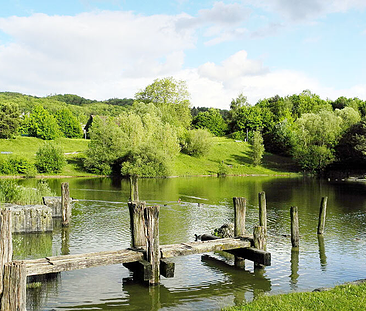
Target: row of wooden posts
[[294, 214]]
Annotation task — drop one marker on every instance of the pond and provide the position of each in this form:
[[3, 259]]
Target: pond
[[100, 222]]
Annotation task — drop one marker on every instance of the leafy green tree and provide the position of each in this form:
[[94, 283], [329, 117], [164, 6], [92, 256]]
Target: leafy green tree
[[9, 119], [171, 97], [134, 144], [307, 102], [349, 117], [258, 148], [50, 158], [40, 123], [68, 124], [351, 149], [212, 121], [197, 142]]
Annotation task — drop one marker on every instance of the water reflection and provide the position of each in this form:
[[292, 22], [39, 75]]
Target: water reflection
[[294, 267], [322, 256]]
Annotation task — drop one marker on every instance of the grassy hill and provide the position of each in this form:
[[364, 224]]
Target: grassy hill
[[236, 157]]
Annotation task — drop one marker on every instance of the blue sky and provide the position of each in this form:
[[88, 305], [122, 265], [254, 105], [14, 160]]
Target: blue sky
[[101, 49]]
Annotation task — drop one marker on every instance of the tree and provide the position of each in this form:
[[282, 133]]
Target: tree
[[212, 121], [9, 120], [40, 123], [68, 124], [258, 148], [132, 145], [171, 97]]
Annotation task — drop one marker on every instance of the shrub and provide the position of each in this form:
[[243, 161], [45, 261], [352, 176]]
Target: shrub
[[15, 165], [50, 158], [197, 142], [258, 148]]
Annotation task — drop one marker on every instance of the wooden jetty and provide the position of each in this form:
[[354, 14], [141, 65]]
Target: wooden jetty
[[146, 258]]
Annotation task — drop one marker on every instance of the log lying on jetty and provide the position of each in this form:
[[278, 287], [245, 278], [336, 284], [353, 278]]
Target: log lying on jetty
[[182, 249]]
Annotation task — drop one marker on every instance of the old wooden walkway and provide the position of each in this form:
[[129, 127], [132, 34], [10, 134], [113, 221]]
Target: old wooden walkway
[[146, 257]]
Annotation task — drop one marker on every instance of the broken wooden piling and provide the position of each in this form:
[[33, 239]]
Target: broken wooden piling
[[65, 204], [294, 226], [322, 215], [239, 216], [6, 242], [136, 210], [262, 211]]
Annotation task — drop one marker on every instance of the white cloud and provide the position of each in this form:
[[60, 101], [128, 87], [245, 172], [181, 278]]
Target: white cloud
[[83, 52]]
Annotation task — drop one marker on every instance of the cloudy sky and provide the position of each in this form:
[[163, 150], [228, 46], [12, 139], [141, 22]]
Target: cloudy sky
[[101, 49]]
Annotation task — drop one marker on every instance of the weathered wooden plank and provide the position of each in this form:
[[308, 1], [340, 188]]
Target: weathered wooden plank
[[257, 255], [136, 210], [81, 261], [65, 204], [6, 242], [294, 226], [240, 205], [263, 211], [182, 249]]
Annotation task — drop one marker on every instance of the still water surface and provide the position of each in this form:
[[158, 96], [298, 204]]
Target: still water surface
[[100, 221]]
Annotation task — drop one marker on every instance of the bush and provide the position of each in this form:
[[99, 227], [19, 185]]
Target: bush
[[197, 142], [15, 165], [11, 192], [258, 148], [50, 158]]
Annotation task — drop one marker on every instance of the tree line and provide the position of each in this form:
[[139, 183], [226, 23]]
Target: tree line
[[142, 136]]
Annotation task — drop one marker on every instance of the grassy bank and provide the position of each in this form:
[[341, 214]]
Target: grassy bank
[[342, 297], [236, 157]]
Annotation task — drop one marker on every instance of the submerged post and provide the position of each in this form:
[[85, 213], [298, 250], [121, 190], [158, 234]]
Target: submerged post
[[294, 226], [134, 189], [6, 242], [65, 204], [262, 211], [151, 215], [15, 282], [137, 223], [239, 216], [322, 215]]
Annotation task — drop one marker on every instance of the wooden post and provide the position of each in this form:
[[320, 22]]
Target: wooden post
[[259, 240], [262, 211], [134, 189], [15, 282], [239, 216], [137, 223], [65, 204], [322, 214], [6, 242], [151, 214], [294, 226]]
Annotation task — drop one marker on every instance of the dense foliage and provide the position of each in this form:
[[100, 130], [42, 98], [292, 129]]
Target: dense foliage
[[9, 119], [50, 158]]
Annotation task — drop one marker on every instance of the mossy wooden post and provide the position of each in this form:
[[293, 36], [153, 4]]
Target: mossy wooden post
[[137, 223], [240, 205], [322, 215], [262, 211], [134, 189], [6, 242], [294, 226], [15, 282], [65, 204], [151, 215]]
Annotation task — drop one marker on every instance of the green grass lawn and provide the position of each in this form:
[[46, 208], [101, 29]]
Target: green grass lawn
[[236, 157], [342, 297]]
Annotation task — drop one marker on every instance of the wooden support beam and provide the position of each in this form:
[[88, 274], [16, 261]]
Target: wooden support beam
[[65, 204], [257, 255], [141, 269], [151, 215], [190, 248], [15, 284], [167, 268], [294, 226], [137, 221], [259, 238], [6, 242], [322, 215], [240, 205], [134, 189]]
